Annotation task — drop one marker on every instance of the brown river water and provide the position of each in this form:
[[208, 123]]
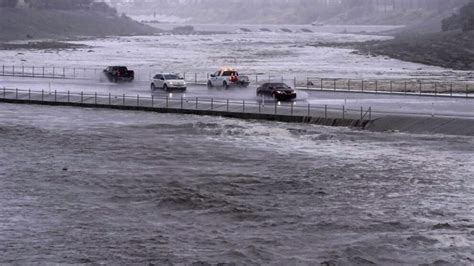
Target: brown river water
[[102, 186]]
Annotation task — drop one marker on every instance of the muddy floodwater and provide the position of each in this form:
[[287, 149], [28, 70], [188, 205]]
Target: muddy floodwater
[[273, 53], [100, 186]]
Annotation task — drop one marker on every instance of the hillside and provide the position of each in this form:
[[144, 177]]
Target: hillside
[[21, 24], [454, 49]]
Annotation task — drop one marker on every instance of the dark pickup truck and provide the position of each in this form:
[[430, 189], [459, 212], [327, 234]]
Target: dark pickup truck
[[119, 73]]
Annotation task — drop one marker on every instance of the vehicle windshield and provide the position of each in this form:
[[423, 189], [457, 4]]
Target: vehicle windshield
[[120, 68], [230, 73], [172, 76], [279, 86]]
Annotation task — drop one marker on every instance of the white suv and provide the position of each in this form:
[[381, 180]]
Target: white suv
[[168, 81]]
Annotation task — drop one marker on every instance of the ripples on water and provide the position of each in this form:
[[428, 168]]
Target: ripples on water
[[98, 186]]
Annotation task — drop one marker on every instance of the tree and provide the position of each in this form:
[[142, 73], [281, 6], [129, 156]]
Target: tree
[[464, 20], [8, 3]]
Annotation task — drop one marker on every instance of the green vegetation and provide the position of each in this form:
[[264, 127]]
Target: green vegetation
[[464, 20], [450, 49]]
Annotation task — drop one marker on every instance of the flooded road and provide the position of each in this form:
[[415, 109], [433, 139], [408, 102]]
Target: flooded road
[[101, 186]]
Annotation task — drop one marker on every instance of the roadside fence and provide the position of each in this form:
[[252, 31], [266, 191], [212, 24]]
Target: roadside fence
[[423, 87]]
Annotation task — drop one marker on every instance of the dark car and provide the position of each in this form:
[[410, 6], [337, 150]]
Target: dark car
[[119, 73], [277, 90]]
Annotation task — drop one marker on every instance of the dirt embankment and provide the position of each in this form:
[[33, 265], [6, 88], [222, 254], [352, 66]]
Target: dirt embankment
[[449, 49], [446, 49], [23, 24]]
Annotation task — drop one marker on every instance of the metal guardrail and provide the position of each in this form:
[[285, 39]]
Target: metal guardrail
[[293, 109], [427, 87]]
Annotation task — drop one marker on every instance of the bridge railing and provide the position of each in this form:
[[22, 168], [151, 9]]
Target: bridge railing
[[268, 107]]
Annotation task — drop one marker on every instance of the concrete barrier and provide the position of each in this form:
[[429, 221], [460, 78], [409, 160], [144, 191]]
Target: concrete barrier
[[335, 122], [423, 125]]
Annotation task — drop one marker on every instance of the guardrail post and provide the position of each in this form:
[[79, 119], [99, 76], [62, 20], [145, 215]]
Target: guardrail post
[[110, 100], [123, 99], [343, 112], [68, 96], [292, 108], [181, 101], [16, 93], [138, 99], [82, 97], [167, 101], [197, 103], [64, 72], [54, 71], [3, 70], [95, 97], [184, 76], [42, 95], [227, 105], [451, 89], [361, 113], [349, 85], [321, 84], [334, 84], [195, 78], [5, 93], [420, 87], [467, 91], [307, 83], [43, 72], [243, 106], [33, 71], [212, 104], [376, 86], [256, 79], [13, 68], [153, 101], [362, 85], [405, 88], [74, 72], [29, 94], [309, 109], [55, 97], [326, 111], [391, 86]]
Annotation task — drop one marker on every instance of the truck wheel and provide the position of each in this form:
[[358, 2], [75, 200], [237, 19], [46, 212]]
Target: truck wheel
[[152, 87], [225, 85], [209, 84], [165, 87]]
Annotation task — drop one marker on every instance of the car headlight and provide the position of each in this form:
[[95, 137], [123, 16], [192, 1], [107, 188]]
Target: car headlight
[[171, 83]]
